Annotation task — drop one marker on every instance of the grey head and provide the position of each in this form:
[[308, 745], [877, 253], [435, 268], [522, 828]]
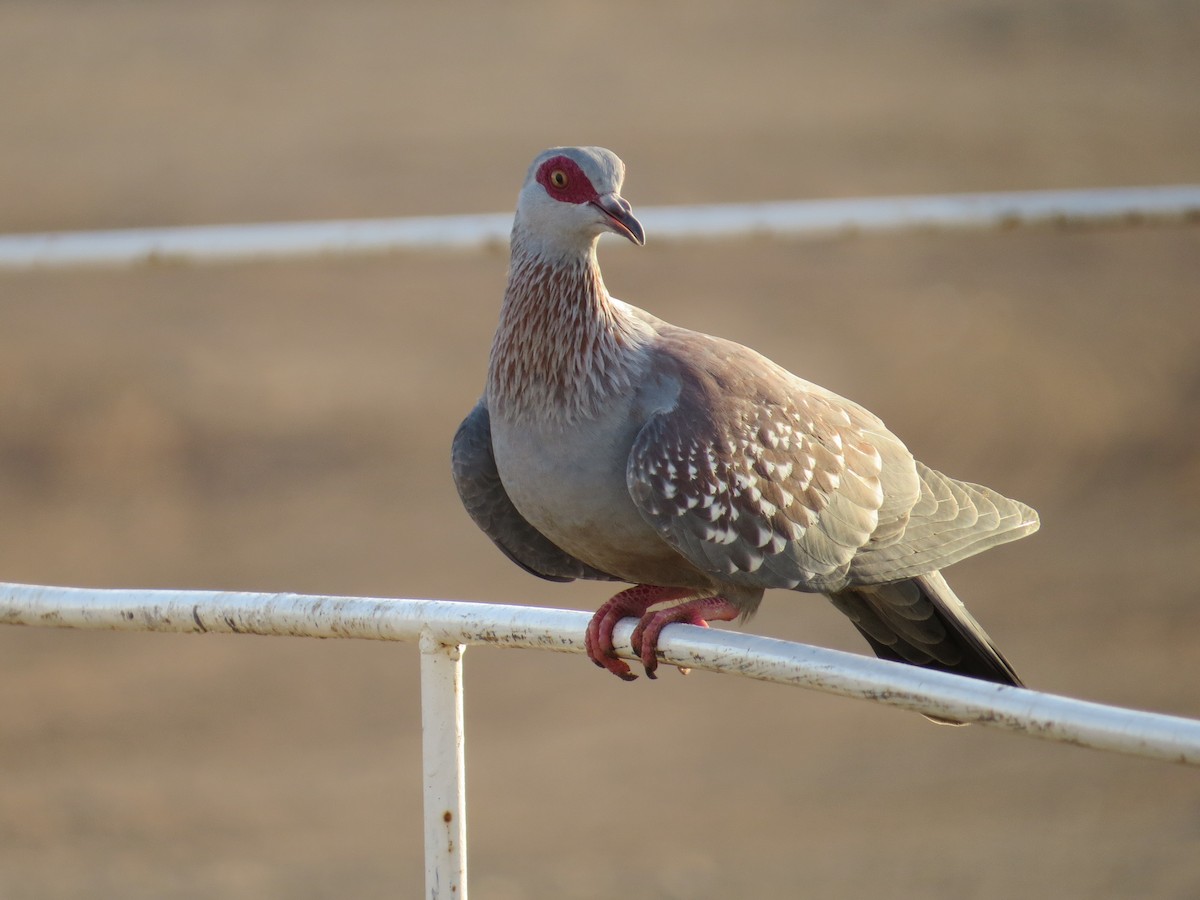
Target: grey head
[[570, 197]]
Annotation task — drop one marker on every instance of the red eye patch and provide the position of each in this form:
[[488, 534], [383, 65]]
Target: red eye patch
[[565, 181]]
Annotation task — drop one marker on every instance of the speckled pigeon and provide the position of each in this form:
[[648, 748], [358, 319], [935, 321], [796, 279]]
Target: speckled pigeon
[[612, 445]]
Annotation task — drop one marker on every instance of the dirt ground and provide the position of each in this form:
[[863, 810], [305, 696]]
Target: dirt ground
[[286, 427]]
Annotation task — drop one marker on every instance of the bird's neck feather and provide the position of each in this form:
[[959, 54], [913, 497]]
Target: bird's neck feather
[[562, 346]]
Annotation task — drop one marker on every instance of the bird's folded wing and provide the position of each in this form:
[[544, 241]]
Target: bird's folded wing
[[761, 479], [488, 504]]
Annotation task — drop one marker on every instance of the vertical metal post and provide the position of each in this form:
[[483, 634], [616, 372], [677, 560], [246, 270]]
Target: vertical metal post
[[445, 770]]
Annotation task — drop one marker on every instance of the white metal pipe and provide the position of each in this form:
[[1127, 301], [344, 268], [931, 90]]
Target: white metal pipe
[[444, 767], [792, 219], [1032, 713]]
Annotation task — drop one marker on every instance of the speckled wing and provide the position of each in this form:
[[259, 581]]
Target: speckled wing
[[488, 504], [764, 480]]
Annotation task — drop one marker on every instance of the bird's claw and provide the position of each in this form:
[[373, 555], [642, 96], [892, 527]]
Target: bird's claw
[[645, 636], [617, 666], [599, 644], [633, 602], [647, 651]]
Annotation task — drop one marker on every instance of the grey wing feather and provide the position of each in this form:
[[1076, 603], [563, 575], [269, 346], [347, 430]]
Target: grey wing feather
[[488, 504], [950, 521]]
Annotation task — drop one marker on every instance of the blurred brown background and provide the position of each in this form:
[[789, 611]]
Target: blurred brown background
[[286, 426]]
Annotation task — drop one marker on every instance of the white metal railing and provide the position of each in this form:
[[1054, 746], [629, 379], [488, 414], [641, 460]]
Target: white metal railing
[[443, 629], [793, 219]]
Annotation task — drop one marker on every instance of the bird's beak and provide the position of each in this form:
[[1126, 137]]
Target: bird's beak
[[620, 216]]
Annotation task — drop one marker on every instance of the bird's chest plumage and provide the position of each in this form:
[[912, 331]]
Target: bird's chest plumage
[[568, 480]]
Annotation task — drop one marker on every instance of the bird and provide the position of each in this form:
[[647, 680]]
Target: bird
[[611, 445]]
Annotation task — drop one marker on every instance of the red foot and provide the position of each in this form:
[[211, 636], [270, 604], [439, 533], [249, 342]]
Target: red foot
[[632, 602], [693, 612], [637, 602]]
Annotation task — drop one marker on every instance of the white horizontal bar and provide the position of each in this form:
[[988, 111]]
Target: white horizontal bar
[[793, 219], [945, 212], [232, 243], [1035, 714]]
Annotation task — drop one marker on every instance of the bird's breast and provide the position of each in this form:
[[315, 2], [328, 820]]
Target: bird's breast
[[569, 482]]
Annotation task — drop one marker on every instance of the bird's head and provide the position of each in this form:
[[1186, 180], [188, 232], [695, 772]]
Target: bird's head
[[571, 196]]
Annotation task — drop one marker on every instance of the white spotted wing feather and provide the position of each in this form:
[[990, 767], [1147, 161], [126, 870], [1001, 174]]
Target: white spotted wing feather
[[767, 481]]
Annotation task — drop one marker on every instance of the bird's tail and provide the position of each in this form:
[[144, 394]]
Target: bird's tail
[[920, 621]]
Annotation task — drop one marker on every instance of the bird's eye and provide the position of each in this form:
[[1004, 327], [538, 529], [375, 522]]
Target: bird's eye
[[558, 178]]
